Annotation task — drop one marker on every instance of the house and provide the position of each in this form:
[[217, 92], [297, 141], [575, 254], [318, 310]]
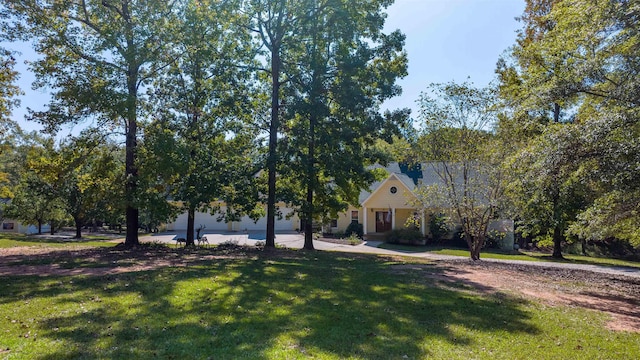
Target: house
[[385, 206], [287, 221], [15, 226]]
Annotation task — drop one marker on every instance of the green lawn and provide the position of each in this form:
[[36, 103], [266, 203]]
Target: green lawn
[[14, 240], [520, 255], [291, 305]]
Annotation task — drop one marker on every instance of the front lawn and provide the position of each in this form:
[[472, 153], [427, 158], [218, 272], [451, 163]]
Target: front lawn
[[290, 305], [8, 240]]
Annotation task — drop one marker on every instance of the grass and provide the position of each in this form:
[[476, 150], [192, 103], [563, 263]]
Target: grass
[[292, 305], [520, 255], [8, 240]]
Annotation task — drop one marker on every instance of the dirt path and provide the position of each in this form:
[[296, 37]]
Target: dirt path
[[613, 294], [618, 296]]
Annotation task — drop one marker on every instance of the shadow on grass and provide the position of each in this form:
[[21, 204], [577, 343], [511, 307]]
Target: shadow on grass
[[309, 305]]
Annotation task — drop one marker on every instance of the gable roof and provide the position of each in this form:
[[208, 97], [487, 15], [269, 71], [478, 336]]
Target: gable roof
[[394, 171]]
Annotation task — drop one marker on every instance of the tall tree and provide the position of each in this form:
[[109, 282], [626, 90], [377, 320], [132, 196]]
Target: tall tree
[[583, 54], [97, 54], [346, 67], [276, 24], [458, 148], [202, 136]]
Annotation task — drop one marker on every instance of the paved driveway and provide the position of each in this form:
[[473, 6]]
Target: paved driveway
[[295, 240]]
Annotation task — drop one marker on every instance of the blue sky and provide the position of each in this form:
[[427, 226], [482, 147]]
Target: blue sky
[[446, 40]]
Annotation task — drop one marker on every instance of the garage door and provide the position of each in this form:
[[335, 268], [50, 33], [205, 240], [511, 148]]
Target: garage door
[[283, 224], [209, 221]]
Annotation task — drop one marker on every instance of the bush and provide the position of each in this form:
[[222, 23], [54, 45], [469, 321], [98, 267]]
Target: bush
[[405, 236], [353, 240], [354, 228], [457, 240], [438, 227]]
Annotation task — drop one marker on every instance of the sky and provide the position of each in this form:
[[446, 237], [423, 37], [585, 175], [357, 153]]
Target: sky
[[446, 40]]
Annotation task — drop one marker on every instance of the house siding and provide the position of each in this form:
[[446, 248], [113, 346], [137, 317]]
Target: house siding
[[383, 198]]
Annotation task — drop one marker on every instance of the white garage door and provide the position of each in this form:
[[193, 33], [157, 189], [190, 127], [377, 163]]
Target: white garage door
[[283, 224], [209, 221]]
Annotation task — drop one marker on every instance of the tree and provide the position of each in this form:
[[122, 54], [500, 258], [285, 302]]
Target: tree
[[345, 68], [36, 200], [201, 136], [8, 90], [97, 54], [458, 147], [583, 55], [545, 185], [8, 76], [275, 24], [89, 174]]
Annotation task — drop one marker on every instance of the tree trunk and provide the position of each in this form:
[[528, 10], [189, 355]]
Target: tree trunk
[[557, 229], [557, 242], [273, 138], [131, 170], [39, 227], [311, 176], [556, 113], [78, 223], [191, 217], [52, 228], [474, 249]]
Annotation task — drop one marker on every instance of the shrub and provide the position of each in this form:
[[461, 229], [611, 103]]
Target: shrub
[[353, 240], [354, 228], [405, 236], [438, 227]]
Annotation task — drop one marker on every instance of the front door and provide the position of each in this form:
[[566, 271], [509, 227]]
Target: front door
[[383, 221]]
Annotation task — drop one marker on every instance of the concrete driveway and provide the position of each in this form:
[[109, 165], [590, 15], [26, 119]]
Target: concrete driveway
[[292, 240]]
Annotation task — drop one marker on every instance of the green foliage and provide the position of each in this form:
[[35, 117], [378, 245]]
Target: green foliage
[[576, 63], [408, 236], [201, 145], [438, 227], [36, 198], [413, 222], [8, 90], [341, 71], [354, 228], [354, 239], [463, 156], [95, 57]]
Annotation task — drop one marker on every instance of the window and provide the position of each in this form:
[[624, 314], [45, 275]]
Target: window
[[354, 216], [7, 226], [334, 223], [393, 190]]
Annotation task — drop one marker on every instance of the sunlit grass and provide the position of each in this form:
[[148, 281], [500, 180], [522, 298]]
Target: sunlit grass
[[309, 305], [8, 240]]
